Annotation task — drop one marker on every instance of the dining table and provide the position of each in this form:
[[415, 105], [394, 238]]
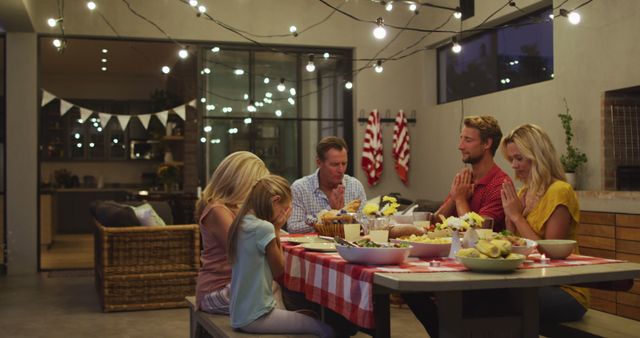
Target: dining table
[[360, 292]]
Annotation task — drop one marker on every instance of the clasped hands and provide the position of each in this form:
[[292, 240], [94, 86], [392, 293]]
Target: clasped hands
[[510, 202], [336, 197], [462, 186]]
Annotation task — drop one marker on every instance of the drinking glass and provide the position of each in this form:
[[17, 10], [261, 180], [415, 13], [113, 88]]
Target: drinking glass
[[422, 219], [379, 230], [352, 232]]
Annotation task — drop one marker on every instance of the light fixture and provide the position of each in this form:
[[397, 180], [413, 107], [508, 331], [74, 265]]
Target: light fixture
[[311, 66], [104, 60], [104, 69], [291, 101], [57, 43], [266, 80], [379, 32], [183, 54], [91, 5], [238, 71], [278, 113], [248, 120], [293, 30], [215, 49], [326, 55], [166, 69], [455, 47], [281, 87], [268, 94], [292, 91], [203, 140], [413, 7], [203, 99], [348, 85], [389, 6], [193, 3], [574, 17], [378, 68], [53, 22], [105, 51], [207, 70], [458, 13], [202, 9]]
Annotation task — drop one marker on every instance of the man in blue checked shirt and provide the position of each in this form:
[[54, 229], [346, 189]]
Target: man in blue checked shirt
[[327, 188]]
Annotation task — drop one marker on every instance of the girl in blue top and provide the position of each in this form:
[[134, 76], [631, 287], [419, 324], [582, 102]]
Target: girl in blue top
[[256, 257]]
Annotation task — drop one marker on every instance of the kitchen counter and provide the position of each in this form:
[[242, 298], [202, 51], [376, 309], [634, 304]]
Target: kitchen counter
[[627, 202]]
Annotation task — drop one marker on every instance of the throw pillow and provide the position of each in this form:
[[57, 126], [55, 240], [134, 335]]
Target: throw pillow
[[147, 216], [113, 214]]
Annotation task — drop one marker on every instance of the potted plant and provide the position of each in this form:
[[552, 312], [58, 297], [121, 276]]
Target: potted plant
[[573, 158]]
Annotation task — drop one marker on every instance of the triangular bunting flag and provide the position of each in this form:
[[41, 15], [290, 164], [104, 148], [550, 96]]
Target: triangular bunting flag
[[192, 103], [144, 118], [104, 119], [46, 97], [162, 116], [65, 106], [84, 114], [123, 120], [181, 111]]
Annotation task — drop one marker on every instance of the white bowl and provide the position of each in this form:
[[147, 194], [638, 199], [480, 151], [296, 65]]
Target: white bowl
[[427, 249], [556, 248], [490, 264], [525, 250], [378, 256]]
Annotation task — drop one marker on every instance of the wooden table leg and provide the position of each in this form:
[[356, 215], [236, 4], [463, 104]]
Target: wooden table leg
[[450, 313], [381, 315]]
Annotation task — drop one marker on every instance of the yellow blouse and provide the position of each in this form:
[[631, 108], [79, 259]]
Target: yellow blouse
[[558, 193]]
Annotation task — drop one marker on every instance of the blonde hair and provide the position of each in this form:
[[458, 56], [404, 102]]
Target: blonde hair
[[488, 127], [231, 181], [535, 145], [259, 202]]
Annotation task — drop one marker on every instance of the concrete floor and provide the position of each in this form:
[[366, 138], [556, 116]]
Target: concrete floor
[[61, 307]]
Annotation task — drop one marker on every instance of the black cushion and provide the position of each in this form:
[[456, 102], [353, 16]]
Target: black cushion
[[115, 214]]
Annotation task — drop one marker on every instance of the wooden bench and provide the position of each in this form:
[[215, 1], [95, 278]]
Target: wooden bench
[[596, 324], [202, 324]]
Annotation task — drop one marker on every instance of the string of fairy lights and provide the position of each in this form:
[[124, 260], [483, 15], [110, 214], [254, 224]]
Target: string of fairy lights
[[380, 30]]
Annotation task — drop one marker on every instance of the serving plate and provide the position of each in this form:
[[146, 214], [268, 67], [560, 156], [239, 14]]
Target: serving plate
[[305, 239], [320, 246], [375, 256], [492, 265]]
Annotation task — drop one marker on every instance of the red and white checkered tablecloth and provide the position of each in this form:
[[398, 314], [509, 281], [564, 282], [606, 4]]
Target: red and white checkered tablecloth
[[347, 289]]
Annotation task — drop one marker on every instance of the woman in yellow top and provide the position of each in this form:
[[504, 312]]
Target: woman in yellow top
[[546, 207]]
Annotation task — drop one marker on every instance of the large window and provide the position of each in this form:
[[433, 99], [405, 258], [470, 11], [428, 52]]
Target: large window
[[515, 54], [267, 102]]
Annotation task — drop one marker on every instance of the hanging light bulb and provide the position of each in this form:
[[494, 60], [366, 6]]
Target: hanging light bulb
[[293, 30], [166, 69], [574, 18], [57, 43], [215, 49], [238, 71], [389, 6], [183, 54], [456, 48], [251, 107], [91, 5], [311, 66], [292, 91], [379, 67], [105, 51], [348, 85], [291, 101], [379, 32], [326, 55], [207, 70], [413, 7], [281, 87], [266, 80], [202, 9], [278, 113], [52, 22], [458, 13], [193, 3]]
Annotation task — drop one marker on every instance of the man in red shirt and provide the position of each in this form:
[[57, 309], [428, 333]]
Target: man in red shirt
[[473, 189], [478, 188]]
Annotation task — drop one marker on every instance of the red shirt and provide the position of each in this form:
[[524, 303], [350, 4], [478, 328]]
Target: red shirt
[[486, 199]]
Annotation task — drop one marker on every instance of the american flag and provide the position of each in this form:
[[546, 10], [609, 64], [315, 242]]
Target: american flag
[[401, 147], [372, 149]]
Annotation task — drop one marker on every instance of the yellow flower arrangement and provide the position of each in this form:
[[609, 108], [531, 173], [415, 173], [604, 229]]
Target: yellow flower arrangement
[[389, 208], [463, 223]]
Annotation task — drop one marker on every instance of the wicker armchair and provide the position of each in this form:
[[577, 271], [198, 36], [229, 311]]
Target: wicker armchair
[[146, 267]]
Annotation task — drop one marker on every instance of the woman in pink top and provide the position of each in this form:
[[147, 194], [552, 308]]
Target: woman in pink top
[[215, 210]]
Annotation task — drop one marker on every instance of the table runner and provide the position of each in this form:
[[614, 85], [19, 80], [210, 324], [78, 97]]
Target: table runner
[[327, 279]]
